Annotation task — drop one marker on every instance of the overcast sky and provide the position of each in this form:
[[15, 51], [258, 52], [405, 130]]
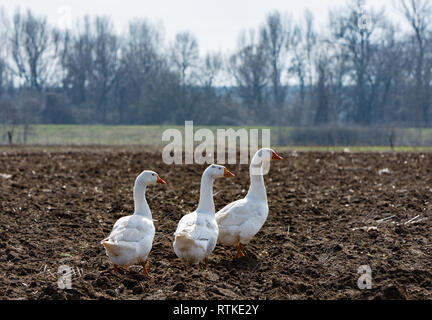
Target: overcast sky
[[216, 23]]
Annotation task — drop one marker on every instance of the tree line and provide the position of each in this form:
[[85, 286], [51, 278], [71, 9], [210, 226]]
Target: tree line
[[361, 69]]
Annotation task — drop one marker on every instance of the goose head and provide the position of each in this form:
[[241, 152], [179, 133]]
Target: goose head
[[216, 171], [261, 161], [148, 177], [267, 155]]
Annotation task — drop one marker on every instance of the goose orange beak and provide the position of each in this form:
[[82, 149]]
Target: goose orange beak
[[160, 180], [228, 173], [275, 156]]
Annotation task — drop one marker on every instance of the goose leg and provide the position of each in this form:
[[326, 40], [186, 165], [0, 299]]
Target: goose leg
[[145, 269], [115, 269], [239, 251], [206, 263]]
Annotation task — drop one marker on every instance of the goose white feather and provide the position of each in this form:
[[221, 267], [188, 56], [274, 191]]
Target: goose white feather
[[241, 220], [131, 238], [197, 232]]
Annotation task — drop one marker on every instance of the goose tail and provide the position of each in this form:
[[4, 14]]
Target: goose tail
[[112, 248]]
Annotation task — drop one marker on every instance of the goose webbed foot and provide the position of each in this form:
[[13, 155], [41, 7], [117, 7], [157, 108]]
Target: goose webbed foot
[[145, 270], [239, 252]]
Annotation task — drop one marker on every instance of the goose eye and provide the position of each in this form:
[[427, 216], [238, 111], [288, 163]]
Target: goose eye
[[153, 174], [220, 168]]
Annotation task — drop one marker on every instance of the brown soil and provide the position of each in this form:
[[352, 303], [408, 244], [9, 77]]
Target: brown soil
[[58, 205]]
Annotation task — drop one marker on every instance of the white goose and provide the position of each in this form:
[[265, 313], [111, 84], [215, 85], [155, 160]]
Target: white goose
[[131, 238], [240, 220], [197, 232]]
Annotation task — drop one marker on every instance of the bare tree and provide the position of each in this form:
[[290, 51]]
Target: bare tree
[[105, 64], [322, 115], [140, 64], [250, 69], [276, 34], [78, 62], [30, 38], [211, 69], [4, 28], [2, 75], [385, 69], [185, 55], [356, 40], [302, 46], [185, 59], [418, 13], [61, 41]]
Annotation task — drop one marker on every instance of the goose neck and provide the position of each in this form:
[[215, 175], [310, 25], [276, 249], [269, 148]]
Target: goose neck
[[257, 187], [140, 202], [206, 203]]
